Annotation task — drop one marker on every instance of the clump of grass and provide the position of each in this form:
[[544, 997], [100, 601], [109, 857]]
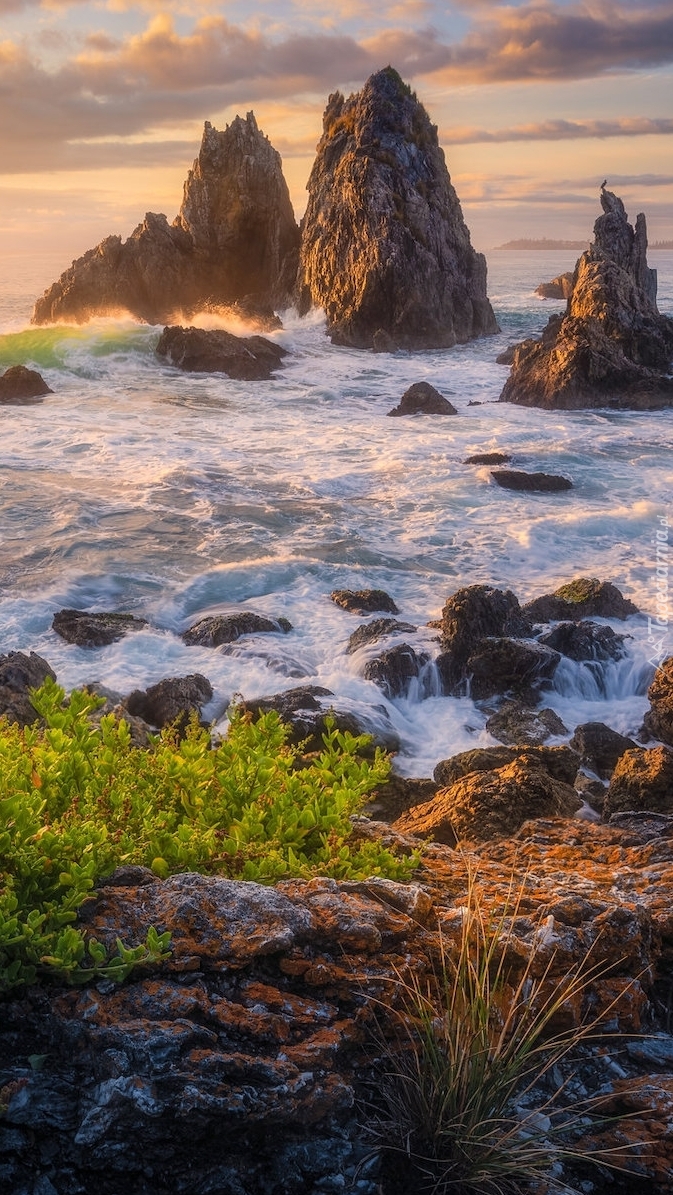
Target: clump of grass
[[469, 1101]]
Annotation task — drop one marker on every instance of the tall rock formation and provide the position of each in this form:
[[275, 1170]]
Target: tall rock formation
[[611, 348], [385, 250], [235, 239]]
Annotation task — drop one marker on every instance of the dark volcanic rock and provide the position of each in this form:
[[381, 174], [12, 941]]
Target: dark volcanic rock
[[658, 720], [517, 723], [488, 458], [642, 780], [599, 747], [226, 628], [394, 670], [559, 762], [501, 665], [423, 399], [585, 641], [307, 708], [585, 597], [212, 350], [19, 674], [22, 386], [612, 348], [385, 250], [378, 628], [471, 614], [171, 700], [364, 601], [535, 483], [234, 239], [560, 287], [87, 629]]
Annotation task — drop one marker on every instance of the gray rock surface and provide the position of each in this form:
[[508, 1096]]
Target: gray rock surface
[[385, 249]]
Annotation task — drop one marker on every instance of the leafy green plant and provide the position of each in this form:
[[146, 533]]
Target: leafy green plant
[[77, 799], [468, 1098]]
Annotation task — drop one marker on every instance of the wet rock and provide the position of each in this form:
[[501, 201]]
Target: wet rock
[[307, 709], [642, 780], [201, 350], [503, 665], [486, 805], [171, 700], [364, 601], [217, 629], [517, 723], [19, 673], [560, 287], [561, 763], [22, 386], [534, 483], [385, 250], [395, 669], [585, 597], [585, 640], [88, 629], [471, 614], [423, 399], [599, 747], [612, 348], [488, 458], [235, 239], [658, 722], [378, 628]]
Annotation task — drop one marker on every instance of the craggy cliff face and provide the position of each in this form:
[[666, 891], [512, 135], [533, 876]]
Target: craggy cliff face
[[385, 250]]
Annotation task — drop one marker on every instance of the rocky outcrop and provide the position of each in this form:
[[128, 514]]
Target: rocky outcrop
[[423, 399], [534, 483], [88, 629], [216, 629], [19, 673], [560, 287], [235, 238], [22, 386], [364, 601], [385, 250], [612, 348], [585, 597], [212, 350]]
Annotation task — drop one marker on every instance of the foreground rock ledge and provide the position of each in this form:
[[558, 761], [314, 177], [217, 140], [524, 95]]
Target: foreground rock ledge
[[385, 250]]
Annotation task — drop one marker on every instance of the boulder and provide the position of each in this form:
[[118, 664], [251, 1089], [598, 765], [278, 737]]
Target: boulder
[[384, 249], [517, 723], [599, 747], [560, 287], [19, 673], [502, 665], [642, 780], [611, 348], [471, 614], [585, 640], [306, 709], [217, 629], [423, 399], [174, 699], [378, 628], [364, 601], [585, 597], [395, 669], [488, 458], [22, 386], [658, 722], [88, 629], [486, 805], [234, 239], [561, 763], [212, 350], [534, 483]]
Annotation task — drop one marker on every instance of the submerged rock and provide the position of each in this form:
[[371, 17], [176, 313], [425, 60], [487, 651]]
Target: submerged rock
[[19, 673], [88, 629], [536, 483], [385, 250], [217, 629], [364, 601], [212, 350], [612, 348], [423, 399], [22, 386], [234, 239], [560, 287], [585, 597]]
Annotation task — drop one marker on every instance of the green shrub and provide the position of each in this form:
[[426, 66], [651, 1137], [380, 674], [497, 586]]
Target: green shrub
[[77, 799]]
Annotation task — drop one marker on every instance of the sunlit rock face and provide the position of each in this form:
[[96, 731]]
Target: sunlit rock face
[[234, 239], [612, 348], [385, 250]]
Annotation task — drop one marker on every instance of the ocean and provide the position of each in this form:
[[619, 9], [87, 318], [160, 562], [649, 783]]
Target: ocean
[[137, 488]]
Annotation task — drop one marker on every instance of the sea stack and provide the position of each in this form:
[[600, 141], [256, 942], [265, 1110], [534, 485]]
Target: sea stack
[[611, 348], [234, 240], [385, 250]]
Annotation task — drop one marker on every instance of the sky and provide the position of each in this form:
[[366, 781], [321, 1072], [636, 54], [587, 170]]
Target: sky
[[102, 104]]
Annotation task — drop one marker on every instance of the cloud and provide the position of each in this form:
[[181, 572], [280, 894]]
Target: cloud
[[561, 130]]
